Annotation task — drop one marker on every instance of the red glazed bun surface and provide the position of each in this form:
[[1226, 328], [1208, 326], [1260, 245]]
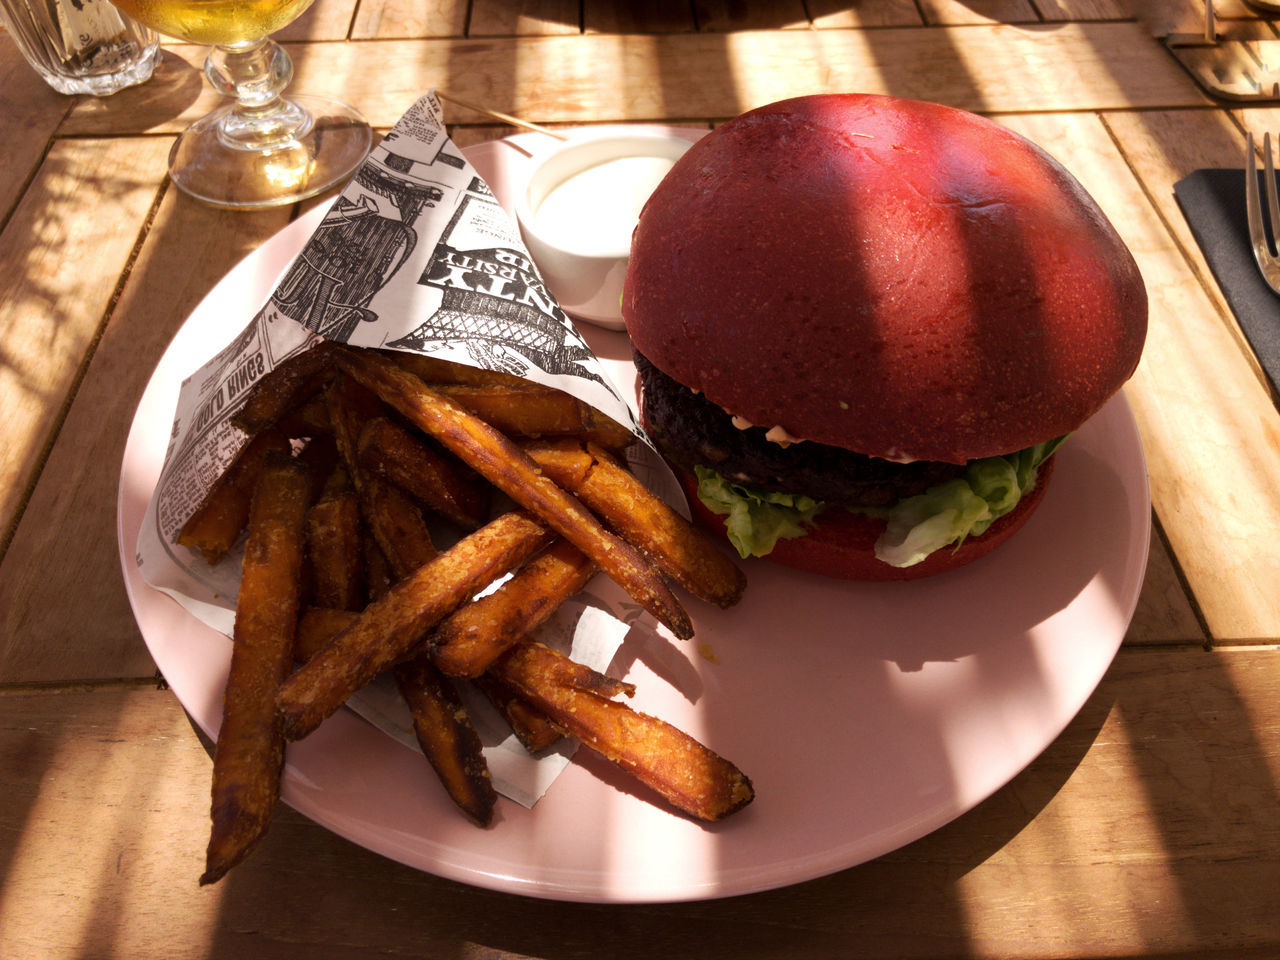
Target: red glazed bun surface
[[897, 278], [903, 287]]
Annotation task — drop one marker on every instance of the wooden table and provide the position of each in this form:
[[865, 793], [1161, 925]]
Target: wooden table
[[1151, 827]]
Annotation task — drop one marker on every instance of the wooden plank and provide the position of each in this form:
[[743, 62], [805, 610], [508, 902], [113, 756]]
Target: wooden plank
[[527, 18], [1187, 16], [178, 89], [1141, 794], [1164, 614], [978, 11], [722, 15], [393, 19], [639, 78], [1118, 841], [1165, 146], [323, 20], [1224, 9], [120, 770], [1219, 427], [1209, 429], [65, 545], [1059, 10], [54, 256], [470, 134], [30, 112], [623, 16], [832, 14]]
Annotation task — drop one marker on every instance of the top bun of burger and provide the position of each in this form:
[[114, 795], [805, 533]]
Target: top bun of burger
[[893, 278]]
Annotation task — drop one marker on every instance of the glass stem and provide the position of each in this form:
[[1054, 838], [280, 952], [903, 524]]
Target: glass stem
[[255, 74]]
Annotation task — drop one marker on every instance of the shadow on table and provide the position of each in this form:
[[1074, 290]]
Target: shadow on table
[[170, 92]]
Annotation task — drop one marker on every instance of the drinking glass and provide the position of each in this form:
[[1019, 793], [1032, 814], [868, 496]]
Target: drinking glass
[[81, 46], [262, 149]]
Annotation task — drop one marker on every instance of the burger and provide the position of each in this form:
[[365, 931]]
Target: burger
[[862, 326]]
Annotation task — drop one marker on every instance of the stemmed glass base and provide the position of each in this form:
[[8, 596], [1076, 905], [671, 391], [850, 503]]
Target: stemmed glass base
[[264, 150]]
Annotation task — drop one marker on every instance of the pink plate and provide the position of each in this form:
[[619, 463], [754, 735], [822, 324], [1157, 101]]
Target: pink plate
[[867, 715]]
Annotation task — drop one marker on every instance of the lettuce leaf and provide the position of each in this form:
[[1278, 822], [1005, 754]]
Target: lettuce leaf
[[756, 519], [949, 513], [942, 516]]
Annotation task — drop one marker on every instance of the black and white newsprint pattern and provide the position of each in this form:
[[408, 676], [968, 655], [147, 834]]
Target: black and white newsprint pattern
[[417, 255]]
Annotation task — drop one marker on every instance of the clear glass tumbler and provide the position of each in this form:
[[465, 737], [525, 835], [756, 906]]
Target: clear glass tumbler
[[81, 46]]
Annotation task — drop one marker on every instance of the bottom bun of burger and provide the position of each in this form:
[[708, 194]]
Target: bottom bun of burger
[[842, 544]]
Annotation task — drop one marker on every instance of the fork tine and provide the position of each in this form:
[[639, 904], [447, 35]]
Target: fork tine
[[1257, 232], [1269, 188], [1261, 222]]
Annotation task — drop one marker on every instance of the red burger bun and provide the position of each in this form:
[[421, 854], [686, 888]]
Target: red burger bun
[[906, 286], [899, 278], [842, 544]]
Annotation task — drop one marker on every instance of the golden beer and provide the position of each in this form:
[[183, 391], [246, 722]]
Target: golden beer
[[214, 21]]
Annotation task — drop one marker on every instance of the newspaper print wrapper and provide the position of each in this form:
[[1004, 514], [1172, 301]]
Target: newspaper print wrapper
[[416, 254]]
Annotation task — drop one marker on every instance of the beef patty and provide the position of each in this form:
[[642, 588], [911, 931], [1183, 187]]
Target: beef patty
[[690, 430]]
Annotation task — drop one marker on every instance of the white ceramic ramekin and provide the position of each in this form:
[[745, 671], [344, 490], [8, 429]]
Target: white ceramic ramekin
[[585, 276]]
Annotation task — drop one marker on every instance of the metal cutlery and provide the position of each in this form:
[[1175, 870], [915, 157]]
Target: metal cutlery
[[1263, 222]]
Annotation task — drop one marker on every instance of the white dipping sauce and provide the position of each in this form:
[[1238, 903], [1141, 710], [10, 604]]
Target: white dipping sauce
[[597, 209]]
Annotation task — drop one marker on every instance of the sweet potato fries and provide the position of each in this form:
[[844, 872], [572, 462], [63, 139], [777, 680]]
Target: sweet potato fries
[[354, 460]]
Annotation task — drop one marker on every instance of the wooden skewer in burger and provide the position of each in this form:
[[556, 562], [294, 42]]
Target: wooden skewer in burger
[[863, 324]]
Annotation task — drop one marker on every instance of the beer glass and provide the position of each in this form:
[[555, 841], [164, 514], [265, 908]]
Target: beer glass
[[261, 149]]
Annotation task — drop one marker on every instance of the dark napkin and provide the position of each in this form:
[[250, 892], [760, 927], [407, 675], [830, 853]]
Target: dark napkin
[[1213, 203]]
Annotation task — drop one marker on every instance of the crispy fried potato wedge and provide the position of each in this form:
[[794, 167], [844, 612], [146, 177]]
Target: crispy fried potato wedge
[[683, 552], [443, 729], [552, 666], [495, 457], [690, 776], [320, 455], [440, 721], [310, 419], [531, 410], [447, 737], [438, 370], [334, 552], [217, 523], [388, 450], [472, 637], [389, 513], [390, 628], [512, 404], [397, 525], [377, 571], [316, 627], [250, 750], [531, 726], [286, 387]]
